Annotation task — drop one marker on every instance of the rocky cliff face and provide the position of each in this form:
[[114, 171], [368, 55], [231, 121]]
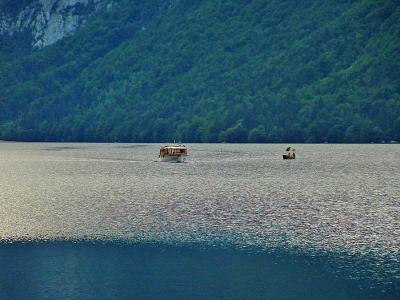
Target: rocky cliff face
[[49, 20]]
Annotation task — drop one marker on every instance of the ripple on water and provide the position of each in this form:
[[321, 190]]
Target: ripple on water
[[329, 200]]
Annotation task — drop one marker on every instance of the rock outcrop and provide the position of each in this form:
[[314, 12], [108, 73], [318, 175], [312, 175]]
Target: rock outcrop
[[49, 21]]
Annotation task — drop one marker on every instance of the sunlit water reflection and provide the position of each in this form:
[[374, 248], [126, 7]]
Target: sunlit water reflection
[[341, 201]]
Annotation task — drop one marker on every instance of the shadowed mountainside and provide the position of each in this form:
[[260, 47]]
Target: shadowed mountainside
[[210, 71]]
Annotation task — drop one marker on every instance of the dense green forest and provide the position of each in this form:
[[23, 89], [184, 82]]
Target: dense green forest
[[210, 71]]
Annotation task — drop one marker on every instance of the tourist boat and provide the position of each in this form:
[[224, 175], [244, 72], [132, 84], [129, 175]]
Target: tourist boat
[[173, 153]]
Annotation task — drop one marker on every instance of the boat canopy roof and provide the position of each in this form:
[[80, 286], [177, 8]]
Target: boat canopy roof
[[174, 147]]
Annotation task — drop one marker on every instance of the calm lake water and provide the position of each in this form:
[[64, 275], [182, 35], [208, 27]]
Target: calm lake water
[[107, 221]]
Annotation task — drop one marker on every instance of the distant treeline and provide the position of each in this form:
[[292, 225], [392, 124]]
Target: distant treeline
[[211, 71]]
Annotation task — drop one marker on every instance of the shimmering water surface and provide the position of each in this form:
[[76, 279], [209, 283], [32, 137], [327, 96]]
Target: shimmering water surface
[[340, 202]]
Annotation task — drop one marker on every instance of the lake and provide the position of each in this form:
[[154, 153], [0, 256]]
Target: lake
[[108, 221]]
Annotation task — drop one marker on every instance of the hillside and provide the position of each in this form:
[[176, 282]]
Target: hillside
[[207, 71]]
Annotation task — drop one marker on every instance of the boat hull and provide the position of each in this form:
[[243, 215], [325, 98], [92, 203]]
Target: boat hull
[[173, 158]]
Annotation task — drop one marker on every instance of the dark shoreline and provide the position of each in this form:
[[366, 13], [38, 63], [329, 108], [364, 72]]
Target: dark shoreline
[[200, 143]]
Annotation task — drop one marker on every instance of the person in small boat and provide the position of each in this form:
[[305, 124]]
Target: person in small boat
[[290, 152]]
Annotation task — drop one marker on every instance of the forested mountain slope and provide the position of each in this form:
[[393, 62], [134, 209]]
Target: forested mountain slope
[[210, 71]]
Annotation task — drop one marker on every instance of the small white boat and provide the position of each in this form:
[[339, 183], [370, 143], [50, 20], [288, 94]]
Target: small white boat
[[173, 153]]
